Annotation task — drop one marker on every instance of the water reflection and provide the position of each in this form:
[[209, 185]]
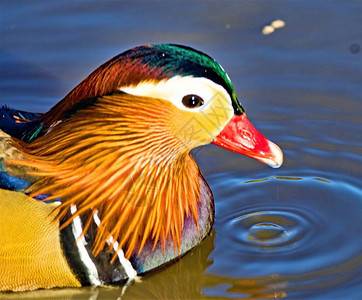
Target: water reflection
[[285, 178], [302, 228], [187, 279], [191, 278]]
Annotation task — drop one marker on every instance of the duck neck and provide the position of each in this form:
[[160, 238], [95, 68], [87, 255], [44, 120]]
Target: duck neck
[[92, 270], [126, 167]]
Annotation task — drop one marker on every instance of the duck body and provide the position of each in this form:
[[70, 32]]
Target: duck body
[[36, 254], [102, 187], [25, 221]]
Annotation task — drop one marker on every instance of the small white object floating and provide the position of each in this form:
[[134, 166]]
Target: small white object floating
[[268, 29], [276, 24]]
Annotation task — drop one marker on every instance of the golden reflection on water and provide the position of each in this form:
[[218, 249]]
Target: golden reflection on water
[[187, 280], [285, 178], [323, 278], [322, 179]]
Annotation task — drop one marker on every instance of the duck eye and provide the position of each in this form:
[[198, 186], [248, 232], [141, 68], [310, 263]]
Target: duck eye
[[192, 101]]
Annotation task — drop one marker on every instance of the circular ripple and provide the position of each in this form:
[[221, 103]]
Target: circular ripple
[[265, 230], [284, 224]]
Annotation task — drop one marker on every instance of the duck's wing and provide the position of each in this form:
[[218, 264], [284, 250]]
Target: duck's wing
[[14, 177], [18, 123], [31, 256], [31, 253], [30, 246]]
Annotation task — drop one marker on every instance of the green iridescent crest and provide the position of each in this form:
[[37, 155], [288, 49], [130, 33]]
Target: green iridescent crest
[[181, 60]]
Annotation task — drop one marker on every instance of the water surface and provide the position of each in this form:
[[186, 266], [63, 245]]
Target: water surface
[[292, 232]]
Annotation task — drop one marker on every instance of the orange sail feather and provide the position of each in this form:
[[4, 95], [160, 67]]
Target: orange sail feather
[[128, 167]]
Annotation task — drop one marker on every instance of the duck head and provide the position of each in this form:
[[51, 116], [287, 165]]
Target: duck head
[[119, 143]]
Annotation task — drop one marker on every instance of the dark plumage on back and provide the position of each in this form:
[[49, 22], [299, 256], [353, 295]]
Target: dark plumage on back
[[16, 123]]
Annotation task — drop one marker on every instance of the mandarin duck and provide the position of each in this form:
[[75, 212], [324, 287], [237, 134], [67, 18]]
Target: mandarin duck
[[103, 188]]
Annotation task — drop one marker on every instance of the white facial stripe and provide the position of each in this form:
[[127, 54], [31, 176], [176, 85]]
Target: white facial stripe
[[176, 88]]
